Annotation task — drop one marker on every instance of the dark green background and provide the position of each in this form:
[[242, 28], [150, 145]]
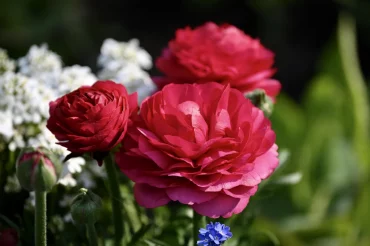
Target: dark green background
[[296, 30]]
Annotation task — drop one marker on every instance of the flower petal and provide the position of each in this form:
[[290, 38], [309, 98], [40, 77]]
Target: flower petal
[[189, 194], [149, 196], [264, 165], [218, 206]]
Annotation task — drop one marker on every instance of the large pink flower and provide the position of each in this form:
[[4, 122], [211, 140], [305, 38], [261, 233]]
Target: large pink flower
[[203, 145], [224, 54]]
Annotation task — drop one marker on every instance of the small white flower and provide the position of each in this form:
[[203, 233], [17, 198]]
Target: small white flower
[[6, 124], [26, 101], [133, 78], [41, 63], [145, 90], [6, 64], [116, 54], [130, 74], [12, 184], [74, 77], [75, 164], [68, 180], [124, 62], [68, 217], [24, 97], [30, 201], [96, 170], [12, 146], [86, 180], [66, 201], [17, 141]]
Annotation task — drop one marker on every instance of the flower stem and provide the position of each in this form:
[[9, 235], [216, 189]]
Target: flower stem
[[356, 86], [91, 234], [40, 218], [116, 200], [198, 222]]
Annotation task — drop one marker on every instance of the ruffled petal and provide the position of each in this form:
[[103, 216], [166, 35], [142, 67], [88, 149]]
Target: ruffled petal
[[149, 196], [188, 194]]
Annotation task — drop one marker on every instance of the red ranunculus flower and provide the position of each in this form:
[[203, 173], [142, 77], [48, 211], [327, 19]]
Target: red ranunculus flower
[[92, 118], [203, 145], [223, 54], [8, 237]]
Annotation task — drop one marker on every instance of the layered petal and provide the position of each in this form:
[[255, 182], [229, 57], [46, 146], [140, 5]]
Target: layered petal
[[218, 53], [203, 145], [92, 118], [149, 196], [221, 205]]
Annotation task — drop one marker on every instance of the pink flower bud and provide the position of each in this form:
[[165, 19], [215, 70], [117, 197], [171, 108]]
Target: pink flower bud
[[37, 170]]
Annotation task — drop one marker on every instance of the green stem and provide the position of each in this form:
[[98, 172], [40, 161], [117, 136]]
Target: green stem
[[356, 86], [91, 234], [40, 218], [116, 200], [198, 222], [360, 106]]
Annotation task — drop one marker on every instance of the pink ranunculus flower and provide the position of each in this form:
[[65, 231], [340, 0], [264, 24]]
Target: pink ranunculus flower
[[224, 54], [203, 145]]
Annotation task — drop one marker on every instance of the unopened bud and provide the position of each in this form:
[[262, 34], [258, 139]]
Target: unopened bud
[[86, 207], [37, 169], [261, 100]]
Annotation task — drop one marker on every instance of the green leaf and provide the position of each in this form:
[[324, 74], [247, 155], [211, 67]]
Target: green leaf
[[155, 242], [284, 155], [9, 222], [289, 179], [139, 234], [271, 236]]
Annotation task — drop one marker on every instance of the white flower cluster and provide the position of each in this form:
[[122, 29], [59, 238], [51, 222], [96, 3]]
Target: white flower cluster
[[23, 106], [45, 66], [42, 64], [74, 77], [124, 62], [25, 95], [28, 85]]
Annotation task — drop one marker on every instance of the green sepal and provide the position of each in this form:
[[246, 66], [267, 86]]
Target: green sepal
[[86, 207], [262, 101]]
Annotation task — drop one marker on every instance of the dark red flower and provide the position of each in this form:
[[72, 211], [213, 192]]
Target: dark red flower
[[92, 118]]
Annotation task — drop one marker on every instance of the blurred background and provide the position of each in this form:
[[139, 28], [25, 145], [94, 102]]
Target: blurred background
[[321, 196], [298, 31]]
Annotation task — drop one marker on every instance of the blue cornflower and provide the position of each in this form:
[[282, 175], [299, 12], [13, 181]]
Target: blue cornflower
[[214, 234]]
